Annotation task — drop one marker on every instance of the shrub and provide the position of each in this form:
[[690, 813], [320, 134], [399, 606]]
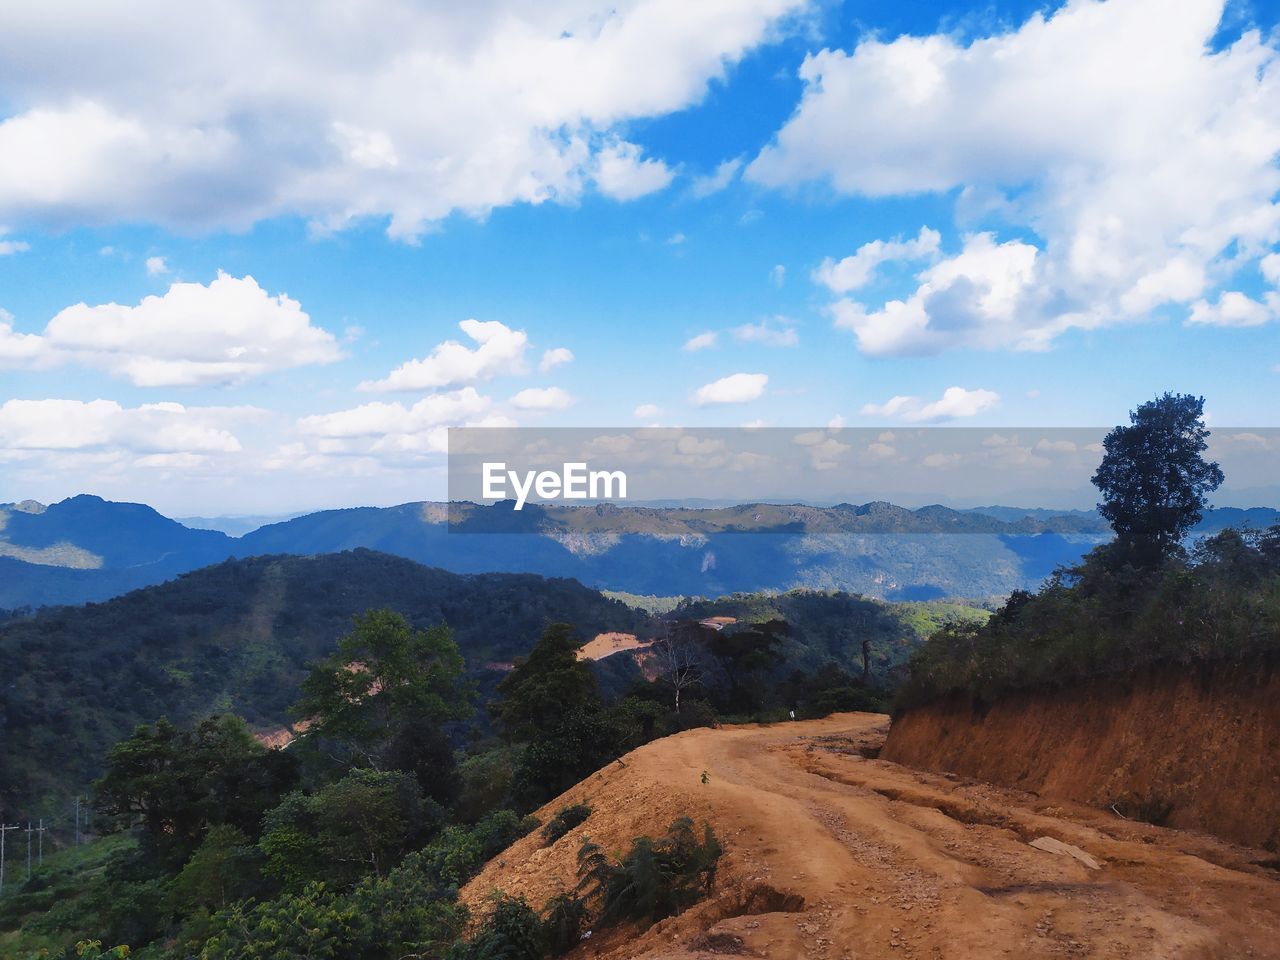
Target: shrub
[[656, 879], [564, 918], [511, 932], [565, 819]]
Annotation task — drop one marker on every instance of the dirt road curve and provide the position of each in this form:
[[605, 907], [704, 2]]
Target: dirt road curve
[[832, 854]]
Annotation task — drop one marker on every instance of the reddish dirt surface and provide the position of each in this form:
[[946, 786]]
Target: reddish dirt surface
[[607, 644], [832, 854], [1197, 749]]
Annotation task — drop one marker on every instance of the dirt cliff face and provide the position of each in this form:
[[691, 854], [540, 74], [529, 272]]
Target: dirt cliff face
[[1194, 748], [833, 854]]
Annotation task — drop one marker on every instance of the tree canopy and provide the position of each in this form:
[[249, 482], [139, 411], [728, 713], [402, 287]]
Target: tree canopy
[[1154, 477], [384, 675]]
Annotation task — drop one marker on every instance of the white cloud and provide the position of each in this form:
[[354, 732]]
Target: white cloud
[[383, 419], [856, 271], [406, 111], [647, 411], [554, 358], [66, 425], [227, 331], [701, 341], [1270, 267], [979, 297], [500, 351], [1234, 309], [736, 388], [676, 239], [955, 402], [718, 179], [10, 247], [156, 266], [17, 348], [1140, 174], [621, 174], [377, 435], [766, 333], [778, 275], [542, 398]]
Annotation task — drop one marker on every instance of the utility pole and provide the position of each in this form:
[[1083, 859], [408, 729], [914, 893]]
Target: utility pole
[[4, 830], [28, 849], [77, 819], [41, 841]]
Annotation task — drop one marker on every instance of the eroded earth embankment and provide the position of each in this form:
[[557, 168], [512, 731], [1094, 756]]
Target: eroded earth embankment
[[1196, 748], [833, 854]]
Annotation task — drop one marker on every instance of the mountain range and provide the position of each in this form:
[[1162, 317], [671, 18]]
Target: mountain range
[[87, 549]]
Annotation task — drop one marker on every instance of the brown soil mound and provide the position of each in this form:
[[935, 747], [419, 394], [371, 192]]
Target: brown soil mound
[[1197, 750], [831, 854]]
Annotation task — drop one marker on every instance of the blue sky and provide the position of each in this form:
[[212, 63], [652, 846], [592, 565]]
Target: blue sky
[[709, 222]]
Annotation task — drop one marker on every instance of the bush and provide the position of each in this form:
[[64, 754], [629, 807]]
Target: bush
[[565, 819], [564, 918], [511, 932], [364, 822], [656, 879], [458, 853], [1106, 615]]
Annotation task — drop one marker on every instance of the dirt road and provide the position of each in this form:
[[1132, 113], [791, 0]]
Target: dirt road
[[833, 854]]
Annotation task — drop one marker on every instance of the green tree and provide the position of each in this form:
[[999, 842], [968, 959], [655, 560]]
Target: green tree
[[363, 823], [1154, 477], [383, 676], [744, 653], [545, 686], [174, 784], [221, 870]]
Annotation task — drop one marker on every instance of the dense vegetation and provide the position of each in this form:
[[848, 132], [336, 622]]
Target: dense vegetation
[[1143, 599], [235, 637], [354, 841]]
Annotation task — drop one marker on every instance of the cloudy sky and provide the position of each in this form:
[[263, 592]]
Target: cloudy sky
[[256, 257]]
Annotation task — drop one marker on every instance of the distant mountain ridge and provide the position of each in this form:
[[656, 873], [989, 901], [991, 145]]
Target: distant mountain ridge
[[88, 549]]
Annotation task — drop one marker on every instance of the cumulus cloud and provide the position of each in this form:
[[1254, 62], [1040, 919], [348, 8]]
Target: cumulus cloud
[[1234, 309], [1270, 267], [542, 399], [955, 403], [9, 247], [647, 411], [194, 334], [736, 388], [856, 271], [621, 172], [700, 341], [28, 426], [1139, 176], [396, 419], [765, 332], [718, 179], [156, 266], [554, 358], [405, 111], [17, 348], [499, 351], [979, 297]]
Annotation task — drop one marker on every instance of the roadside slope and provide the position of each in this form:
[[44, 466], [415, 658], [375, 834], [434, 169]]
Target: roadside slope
[[830, 854], [1193, 747]]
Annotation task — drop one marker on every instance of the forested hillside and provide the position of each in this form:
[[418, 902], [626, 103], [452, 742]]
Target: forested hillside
[[237, 636]]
